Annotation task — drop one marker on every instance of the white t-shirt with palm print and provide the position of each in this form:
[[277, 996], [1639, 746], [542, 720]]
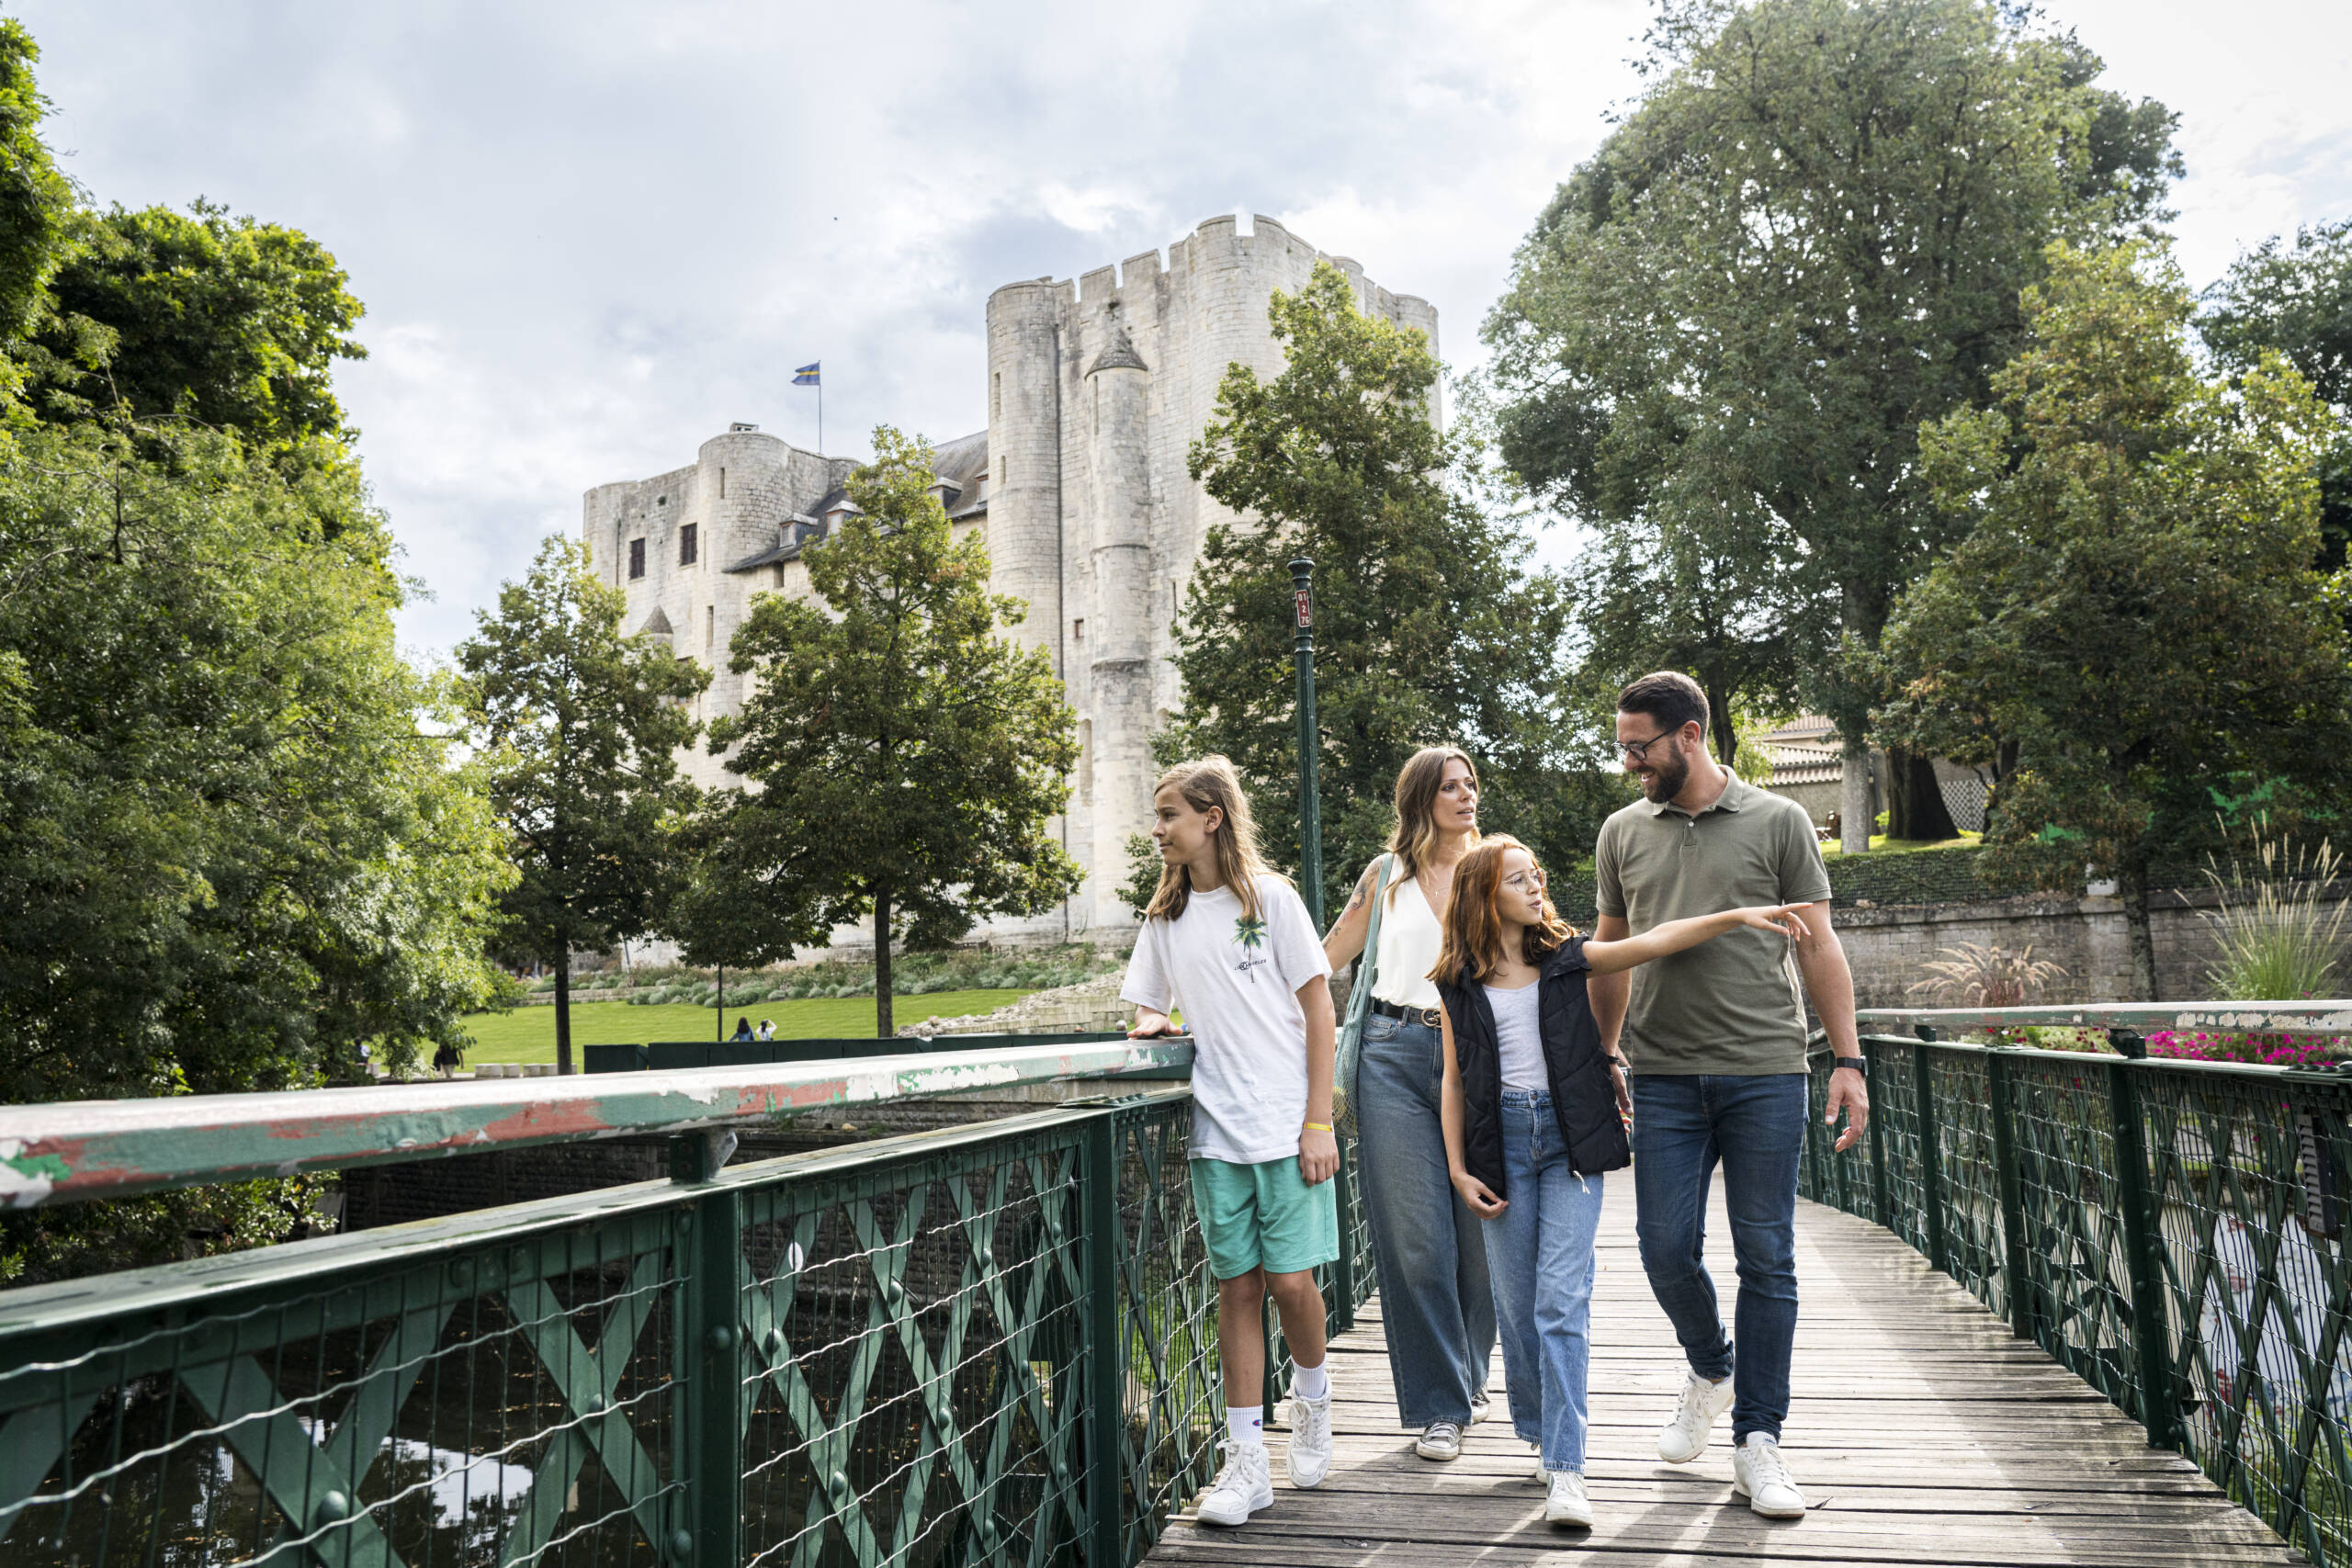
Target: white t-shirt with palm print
[[1237, 983]]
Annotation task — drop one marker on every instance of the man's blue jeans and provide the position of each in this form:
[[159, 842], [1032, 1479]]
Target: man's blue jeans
[[1436, 1306], [1754, 1127], [1539, 1251]]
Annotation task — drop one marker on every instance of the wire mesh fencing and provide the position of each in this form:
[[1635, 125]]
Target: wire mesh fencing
[[2172, 1232], [989, 1345]]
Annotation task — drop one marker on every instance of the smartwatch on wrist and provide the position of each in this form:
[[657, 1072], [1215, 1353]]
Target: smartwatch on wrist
[[1859, 1063]]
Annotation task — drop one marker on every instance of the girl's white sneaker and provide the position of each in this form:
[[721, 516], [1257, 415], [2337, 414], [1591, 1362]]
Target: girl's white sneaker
[[1310, 1440], [1439, 1440], [1245, 1485], [1566, 1503], [1702, 1404]]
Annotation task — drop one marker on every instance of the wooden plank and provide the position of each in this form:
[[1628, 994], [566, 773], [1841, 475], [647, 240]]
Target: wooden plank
[[1921, 1429]]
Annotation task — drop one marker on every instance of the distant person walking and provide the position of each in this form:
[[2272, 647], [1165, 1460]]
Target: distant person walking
[[1716, 1036], [1437, 1308]]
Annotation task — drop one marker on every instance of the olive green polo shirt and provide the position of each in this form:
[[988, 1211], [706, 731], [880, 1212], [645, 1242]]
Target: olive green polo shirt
[[1734, 1005]]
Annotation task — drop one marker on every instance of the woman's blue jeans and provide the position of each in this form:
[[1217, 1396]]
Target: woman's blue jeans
[[1436, 1306], [1540, 1250], [1754, 1127]]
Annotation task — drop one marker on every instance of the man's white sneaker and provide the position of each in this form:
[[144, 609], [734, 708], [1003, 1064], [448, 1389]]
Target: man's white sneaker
[[1758, 1473], [1439, 1440], [1481, 1406], [1245, 1485], [1543, 1476], [1685, 1437], [1310, 1440], [1566, 1504]]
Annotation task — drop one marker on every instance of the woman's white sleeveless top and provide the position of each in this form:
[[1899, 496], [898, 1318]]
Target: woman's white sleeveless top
[[1408, 944]]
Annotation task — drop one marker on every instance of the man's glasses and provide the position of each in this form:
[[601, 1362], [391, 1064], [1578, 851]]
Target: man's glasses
[[1639, 751]]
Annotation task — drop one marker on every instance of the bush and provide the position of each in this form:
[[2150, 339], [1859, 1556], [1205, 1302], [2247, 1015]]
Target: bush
[[2268, 1050], [2278, 943]]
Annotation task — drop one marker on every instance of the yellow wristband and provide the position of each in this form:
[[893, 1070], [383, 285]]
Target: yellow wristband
[[1318, 1127]]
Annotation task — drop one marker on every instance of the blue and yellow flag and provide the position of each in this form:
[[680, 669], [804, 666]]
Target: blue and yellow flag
[[805, 376]]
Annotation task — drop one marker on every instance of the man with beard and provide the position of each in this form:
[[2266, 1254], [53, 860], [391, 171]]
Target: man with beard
[[1716, 1037]]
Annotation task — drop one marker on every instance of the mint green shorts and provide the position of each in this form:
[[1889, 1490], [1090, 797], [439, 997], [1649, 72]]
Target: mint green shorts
[[1264, 1216]]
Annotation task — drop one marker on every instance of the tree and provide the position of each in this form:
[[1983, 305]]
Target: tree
[[2135, 608], [1808, 237], [231, 323], [905, 758], [579, 727], [235, 850], [2296, 301], [1428, 630], [36, 201]]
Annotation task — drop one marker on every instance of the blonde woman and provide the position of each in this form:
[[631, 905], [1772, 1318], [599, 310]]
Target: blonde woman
[[1437, 1308]]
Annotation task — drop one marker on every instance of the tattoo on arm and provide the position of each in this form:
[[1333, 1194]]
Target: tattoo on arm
[[1354, 903]]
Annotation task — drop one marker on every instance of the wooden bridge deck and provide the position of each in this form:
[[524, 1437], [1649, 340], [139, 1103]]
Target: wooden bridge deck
[[1921, 1431]]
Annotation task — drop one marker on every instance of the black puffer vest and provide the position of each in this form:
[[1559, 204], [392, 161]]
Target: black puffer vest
[[1583, 1100]]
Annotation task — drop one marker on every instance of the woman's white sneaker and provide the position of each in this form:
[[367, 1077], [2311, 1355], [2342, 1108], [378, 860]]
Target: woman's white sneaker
[[1566, 1503], [1481, 1406], [1760, 1473], [1439, 1440], [1703, 1403], [1310, 1440], [1245, 1485]]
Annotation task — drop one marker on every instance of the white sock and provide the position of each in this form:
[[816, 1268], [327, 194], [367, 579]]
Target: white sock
[[1311, 1382], [1246, 1425]]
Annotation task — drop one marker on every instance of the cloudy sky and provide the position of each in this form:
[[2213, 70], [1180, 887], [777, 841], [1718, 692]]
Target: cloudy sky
[[589, 236]]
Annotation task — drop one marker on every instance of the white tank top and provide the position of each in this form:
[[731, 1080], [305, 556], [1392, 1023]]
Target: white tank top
[[1408, 944]]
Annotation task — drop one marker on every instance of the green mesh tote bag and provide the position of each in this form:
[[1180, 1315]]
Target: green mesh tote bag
[[1343, 1069]]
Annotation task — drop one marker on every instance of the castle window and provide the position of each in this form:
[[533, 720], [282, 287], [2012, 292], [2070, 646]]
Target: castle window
[[1078, 631], [636, 559], [711, 625], [689, 544], [722, 484], [1086, 760], [1003, 467]]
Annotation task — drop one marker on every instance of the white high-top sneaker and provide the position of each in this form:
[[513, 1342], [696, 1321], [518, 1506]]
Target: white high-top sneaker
[[1245, 1485], [1310, 1440], [1760, 1473], [1702, 1404], [1566, 1503]]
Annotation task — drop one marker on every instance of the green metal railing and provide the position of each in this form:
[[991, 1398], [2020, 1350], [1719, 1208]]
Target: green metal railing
[[992, 1345], [2171, 1231]]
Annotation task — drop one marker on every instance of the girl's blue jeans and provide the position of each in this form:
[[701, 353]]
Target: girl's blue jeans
[[1539, 1254]]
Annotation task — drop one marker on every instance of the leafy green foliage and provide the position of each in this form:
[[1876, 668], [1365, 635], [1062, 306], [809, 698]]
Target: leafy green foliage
[[907, 756], [230, 855], [1725, 330], [231, 323], [1429, 628], [579, 727], [36, 201], [2136, 609], [2296, 299]]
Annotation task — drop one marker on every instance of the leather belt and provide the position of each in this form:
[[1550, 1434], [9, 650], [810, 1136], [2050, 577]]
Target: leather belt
[[1428, 1018]]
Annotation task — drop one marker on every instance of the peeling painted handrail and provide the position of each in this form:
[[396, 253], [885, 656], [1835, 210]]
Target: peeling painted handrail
[[2331, 1017], [113, 1148]]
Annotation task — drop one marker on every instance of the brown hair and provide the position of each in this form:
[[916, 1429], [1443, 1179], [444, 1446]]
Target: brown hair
[[1669, 699], [1472, 945], [1417, 782], [1207, 783]]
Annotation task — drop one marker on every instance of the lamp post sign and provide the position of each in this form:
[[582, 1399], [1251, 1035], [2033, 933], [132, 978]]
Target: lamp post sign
[[1311, 825]]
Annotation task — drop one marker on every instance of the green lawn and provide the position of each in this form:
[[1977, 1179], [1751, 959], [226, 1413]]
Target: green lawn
[[527, 1034], [1881, 844]]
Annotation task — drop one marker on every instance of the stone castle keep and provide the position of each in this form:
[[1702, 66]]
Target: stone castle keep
[[1096, 389]]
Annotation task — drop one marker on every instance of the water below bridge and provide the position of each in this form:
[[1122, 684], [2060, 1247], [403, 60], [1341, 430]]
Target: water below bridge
[[1922, 1432]]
